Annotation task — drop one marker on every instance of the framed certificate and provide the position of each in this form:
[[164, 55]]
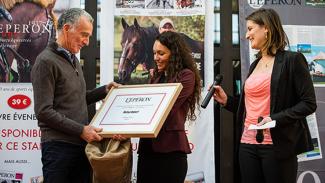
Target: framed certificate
[[136, 110]]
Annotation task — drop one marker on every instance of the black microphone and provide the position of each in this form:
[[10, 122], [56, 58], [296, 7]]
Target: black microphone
[[207, 98], [5, 14], [145, 73], [259, 134]]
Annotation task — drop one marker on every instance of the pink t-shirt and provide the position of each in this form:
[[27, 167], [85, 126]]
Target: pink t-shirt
[[257, 103]]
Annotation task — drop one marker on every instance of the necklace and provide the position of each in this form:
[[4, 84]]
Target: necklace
[[267, 62]]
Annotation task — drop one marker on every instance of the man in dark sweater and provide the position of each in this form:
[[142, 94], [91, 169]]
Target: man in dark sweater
[[61, 101]]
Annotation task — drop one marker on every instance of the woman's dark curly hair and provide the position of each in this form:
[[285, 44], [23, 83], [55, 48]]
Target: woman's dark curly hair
[[180, 59]]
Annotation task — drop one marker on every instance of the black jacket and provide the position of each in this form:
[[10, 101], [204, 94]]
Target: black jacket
[[292, 99]]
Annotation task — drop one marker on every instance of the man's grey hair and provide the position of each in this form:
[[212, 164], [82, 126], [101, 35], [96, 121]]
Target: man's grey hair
[[72, 16]]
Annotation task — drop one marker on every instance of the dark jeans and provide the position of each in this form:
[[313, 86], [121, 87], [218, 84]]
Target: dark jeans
[[162, 168], [258, 164], [65, 163]]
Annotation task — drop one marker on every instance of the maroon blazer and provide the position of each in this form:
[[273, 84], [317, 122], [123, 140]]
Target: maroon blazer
[[172, 135]]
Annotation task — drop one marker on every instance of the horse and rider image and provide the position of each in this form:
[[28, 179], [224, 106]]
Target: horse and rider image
[[160, 4], [26, 27]]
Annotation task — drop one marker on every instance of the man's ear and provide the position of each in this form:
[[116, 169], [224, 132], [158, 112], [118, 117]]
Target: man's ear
[[66, 27]]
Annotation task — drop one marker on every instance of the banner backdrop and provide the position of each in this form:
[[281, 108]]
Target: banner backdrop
[[193, 19], [303, 23], [24, 32]]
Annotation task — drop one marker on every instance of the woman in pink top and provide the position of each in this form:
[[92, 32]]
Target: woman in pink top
[[278, 88]]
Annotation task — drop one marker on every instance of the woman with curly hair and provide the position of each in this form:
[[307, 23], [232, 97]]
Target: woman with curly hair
[[164, 159]]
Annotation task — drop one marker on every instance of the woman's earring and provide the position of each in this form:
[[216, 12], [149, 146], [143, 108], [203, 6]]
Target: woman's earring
[[265, 35]]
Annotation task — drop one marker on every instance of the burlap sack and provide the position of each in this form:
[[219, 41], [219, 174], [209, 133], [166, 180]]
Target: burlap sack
[[111, 160]]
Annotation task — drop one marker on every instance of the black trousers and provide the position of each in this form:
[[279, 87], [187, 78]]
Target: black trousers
[[65, 163], [162, 168], [258, 164]]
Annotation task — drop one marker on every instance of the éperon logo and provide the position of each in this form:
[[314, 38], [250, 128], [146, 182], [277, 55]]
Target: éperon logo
[[256, 4]]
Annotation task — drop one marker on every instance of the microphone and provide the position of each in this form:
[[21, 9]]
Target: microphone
[[145, 73], [259, 134], [5, 14], [207, 98]]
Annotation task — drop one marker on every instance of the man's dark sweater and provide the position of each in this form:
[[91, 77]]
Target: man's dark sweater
[[60, 96]]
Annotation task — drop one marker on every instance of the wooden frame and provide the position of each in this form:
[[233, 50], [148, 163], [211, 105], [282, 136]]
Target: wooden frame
[[136, 110]]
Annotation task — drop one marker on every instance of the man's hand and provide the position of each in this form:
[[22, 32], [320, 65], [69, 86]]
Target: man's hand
[[89, 134], [110, 85]]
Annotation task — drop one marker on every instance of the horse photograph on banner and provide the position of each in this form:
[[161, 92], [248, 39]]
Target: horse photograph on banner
[[130, 3], [26, 26], [134, 38]]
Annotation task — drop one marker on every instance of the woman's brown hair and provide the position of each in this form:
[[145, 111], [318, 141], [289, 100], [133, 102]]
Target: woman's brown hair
[[276, 37]]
